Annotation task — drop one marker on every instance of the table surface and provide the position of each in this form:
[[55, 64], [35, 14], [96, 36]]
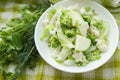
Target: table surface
[[43, 71]]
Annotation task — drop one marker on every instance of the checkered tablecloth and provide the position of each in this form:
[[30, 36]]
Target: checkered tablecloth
[[43, 71]]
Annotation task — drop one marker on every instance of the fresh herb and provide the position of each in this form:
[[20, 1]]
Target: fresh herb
[[17, 40]]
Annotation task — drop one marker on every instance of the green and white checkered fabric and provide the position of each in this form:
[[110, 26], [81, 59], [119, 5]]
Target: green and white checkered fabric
[[43, 71]]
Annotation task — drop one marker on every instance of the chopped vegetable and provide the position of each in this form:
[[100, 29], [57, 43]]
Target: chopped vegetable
[[47, 31], [76, 17], [51, 13], [64, 40], [93, 55], [54, 42], [70, 32], [83, 28], [65, 52], [80, 57], [65, 19], [82, 43], [77, 36]]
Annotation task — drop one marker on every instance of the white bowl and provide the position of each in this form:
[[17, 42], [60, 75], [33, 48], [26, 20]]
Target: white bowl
[[45, 52]]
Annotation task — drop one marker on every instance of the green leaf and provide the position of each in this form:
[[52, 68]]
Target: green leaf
[[17, 42]]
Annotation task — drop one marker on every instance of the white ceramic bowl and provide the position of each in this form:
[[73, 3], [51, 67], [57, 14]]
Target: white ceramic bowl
[[45, 52]]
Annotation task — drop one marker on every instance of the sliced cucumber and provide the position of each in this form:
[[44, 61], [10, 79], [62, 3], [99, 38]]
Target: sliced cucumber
[[82, 43]]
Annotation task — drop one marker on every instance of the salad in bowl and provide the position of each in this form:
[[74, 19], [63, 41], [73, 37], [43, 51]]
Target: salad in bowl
[[76, 35]]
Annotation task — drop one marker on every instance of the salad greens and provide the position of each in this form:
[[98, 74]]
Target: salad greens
[[76, 36], [17, 40], [20, 50], [54, 42]]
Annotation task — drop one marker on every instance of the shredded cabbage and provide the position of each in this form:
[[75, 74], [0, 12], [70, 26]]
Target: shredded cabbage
[[64, 40]]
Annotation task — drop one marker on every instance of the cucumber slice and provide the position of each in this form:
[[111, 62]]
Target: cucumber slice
[[82, 43]]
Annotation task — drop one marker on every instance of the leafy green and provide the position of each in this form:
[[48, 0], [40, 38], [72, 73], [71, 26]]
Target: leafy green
[[51, 13], [93, 55], [54, 42], [70, 57], [66, 24], [65, 19], [88, 9], [46, 31], [98, 24], [70, 32], [17, 40], [64, 40], [102, 26], [92, 37], [87, 18]]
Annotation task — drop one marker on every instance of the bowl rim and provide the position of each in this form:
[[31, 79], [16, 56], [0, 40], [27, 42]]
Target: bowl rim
[[117, 37]]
